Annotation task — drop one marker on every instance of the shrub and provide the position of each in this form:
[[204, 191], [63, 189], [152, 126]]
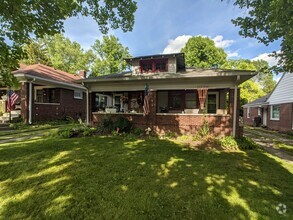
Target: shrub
[[245, 143], [106, 126], [137, 131], [75, 131], [122, 125], [228, 143], [170, 135]]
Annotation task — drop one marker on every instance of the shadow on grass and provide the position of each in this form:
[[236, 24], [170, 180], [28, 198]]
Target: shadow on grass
[[110, 177]]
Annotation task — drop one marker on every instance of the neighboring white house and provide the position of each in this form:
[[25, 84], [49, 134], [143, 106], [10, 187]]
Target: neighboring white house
[[277, 110]]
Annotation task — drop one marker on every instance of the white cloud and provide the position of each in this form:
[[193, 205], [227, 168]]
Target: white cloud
[[220, 42], [232, 54], [175, 45], [266, 56]]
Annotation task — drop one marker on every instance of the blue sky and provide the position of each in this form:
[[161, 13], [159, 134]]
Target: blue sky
[[163, 26]]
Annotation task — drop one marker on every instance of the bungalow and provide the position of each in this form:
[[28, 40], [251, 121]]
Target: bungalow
[[179, 98], [276, 109], [45, 94]]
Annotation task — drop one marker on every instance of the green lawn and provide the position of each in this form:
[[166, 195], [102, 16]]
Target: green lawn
[[116, 178]]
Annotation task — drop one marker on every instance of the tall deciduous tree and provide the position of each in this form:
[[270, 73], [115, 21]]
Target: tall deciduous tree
[[59, 52], [265, 76], [21, 19], [67, 55], [201, 52], [109, 56], [250, 91], [269, 21], [253, 88], [36, 52]]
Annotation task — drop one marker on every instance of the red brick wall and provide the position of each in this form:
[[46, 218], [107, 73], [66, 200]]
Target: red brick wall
[[253, 114], [68, 106], [181, 124], [285, 121]]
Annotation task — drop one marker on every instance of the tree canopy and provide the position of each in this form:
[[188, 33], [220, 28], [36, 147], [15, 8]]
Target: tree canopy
[[109, 56], [59, 52], [19, 20], [201, 52], [269, 21], [262, 84]]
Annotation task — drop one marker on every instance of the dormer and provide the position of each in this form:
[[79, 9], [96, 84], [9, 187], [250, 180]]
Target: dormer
[[163, 63]]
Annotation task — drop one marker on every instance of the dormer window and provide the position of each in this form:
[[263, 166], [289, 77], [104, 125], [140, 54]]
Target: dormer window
[[154, 65]]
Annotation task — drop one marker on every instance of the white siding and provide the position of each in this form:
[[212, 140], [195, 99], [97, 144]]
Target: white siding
[[283, 92]]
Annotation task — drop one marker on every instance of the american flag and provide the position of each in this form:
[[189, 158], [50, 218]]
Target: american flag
[[12, 97], [146, 106]]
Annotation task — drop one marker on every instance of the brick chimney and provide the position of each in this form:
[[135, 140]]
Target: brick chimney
[[82, 73]]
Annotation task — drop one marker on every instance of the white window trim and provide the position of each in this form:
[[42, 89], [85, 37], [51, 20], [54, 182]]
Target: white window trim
[[271, 113], [258, 111], [78, 97], [217, 101], [248, 112]]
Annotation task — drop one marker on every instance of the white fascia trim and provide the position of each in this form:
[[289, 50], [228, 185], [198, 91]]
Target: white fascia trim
[[27, 76]]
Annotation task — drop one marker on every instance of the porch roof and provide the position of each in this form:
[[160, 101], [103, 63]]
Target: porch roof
[[189, 79], [42, 74]]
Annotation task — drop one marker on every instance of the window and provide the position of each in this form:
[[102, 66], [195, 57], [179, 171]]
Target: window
[[154, 65], [248, 112], [39, 95], [100, 102], [258, 111], [275, 112], [190, 100], [212, 103], [175, 100], [78, 94], [52, 96], [47, 95]]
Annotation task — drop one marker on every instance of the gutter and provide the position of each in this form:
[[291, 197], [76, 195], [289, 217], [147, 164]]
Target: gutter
[[34, 78]]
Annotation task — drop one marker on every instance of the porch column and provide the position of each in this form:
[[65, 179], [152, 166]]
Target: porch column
[[87, 108], [30, 109], [234, 107], [235, 111], [24, 102], [153, 107]]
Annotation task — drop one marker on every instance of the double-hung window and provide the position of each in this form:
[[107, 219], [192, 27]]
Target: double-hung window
[[275, 112]]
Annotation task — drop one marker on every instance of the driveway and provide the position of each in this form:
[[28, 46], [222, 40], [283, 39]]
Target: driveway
[[280, 145]]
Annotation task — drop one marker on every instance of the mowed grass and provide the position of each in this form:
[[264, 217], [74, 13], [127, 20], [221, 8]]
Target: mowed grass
[[117, 178]]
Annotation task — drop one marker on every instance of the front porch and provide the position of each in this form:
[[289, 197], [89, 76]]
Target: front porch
[[178, 111]]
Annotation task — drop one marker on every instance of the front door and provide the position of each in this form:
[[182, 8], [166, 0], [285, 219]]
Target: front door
[[264, 117]]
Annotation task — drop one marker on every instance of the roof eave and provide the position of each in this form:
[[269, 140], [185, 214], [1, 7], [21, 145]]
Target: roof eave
[[28, 77]]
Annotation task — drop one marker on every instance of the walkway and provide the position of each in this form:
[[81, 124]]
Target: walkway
[[280, 145], [26, 134]]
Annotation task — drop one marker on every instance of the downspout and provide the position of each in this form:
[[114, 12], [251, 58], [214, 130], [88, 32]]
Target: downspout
[[235, 106], [87, 105], [87, 108], [30, 108]]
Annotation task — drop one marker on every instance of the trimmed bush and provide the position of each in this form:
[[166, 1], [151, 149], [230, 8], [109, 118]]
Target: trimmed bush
[[106, 126], [122, 125]]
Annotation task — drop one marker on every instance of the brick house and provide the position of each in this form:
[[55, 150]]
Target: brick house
[[276, 109], [46, 94], [177, 95]]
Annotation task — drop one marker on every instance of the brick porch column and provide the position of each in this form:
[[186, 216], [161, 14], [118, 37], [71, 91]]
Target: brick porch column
[[152, 118], [24, 101]]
